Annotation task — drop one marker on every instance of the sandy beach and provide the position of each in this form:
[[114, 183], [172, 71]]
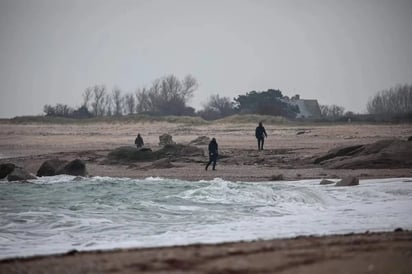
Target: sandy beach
[[290, 151]]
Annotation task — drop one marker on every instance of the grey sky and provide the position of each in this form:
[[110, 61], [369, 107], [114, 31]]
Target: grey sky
[[339, 52]]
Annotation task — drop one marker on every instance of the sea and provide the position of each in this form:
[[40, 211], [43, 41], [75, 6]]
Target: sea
[[63, 213]]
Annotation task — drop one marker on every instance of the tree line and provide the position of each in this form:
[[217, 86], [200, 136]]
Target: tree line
[[170, 95]]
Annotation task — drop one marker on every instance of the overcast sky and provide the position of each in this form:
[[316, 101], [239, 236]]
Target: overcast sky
[[339, 52]]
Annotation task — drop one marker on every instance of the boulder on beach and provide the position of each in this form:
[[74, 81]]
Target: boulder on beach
[[381, 154], [200, 141], [174, 151], [20, 174], [50, 167], [6, 169], [326, 182], [54, 167], [75, 168], [166, 139], [348, 181]]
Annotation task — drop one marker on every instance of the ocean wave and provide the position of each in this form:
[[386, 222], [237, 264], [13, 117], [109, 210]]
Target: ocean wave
[[59, 213]]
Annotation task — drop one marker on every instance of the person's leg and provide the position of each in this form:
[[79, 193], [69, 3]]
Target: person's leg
[[207, 165], [214, 162], [261, 144], [258, 140]]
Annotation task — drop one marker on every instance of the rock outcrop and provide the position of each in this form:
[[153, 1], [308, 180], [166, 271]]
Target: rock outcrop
[[348, 181], [6, 169], [50, 167], [166, 139], [200, 141], [57, 167], [76, 168], [381, 154], [20, 174], [174, 151], [326, 182]]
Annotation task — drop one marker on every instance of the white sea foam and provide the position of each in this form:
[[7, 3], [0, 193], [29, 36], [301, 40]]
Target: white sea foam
[[60, 213]]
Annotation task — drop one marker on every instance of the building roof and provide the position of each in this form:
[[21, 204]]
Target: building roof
[[308, 108]]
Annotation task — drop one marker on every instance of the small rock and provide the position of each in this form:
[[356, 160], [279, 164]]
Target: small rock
[[348, 181], [277, 177], [326, 182]]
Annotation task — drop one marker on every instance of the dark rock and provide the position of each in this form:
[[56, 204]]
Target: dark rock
[[76, 168], [410, 138], [336, 152], [20, 174], [166, 139], [6, 169], [200, 141], [300, 132], [326, 182], [130, 154], [348, 181], [399, 229], [381, 154], [72, 252], [162, 163], [50, 167], [277, 177], [56, 167]]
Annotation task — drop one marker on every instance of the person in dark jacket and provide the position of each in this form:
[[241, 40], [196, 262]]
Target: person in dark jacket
[[139, 142], [213, 153], [260, 134]]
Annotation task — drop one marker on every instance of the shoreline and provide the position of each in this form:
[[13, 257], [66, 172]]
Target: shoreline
[[377, 252]]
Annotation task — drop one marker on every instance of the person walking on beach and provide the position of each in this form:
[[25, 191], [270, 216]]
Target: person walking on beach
[[139, 141], [260, 134], [213, 153]]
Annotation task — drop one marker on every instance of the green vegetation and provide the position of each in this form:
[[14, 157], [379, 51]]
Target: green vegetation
[[270, 102]]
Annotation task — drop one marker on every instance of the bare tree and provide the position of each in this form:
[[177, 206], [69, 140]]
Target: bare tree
[[394, 101], [98, 103], [190, 85], [117, 102], [129, 103], [222, 105], [170, 95], [143, 101], [332, 111], [108, 105], [87, 95]]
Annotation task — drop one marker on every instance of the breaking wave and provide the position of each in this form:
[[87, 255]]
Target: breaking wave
[[62, 213]]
